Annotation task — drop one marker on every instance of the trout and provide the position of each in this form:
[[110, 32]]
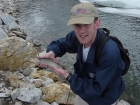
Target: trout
[[49, 62]]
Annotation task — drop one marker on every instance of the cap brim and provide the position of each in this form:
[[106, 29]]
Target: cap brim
[[81, 20]]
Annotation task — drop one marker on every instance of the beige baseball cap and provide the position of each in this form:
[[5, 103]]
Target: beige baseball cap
[[83, 13]]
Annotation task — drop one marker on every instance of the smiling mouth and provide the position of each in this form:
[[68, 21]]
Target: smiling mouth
[[83, 36]]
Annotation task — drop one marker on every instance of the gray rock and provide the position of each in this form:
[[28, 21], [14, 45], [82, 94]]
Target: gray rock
[[1, 101], [3, 95], [31, 95], [15, 93], [5, 92], [27, 71], [6, 18], [12, 26], [3, 34], [47, 82], [43, 77]]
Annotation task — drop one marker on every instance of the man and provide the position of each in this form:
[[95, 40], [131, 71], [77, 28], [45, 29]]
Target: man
[[93, 84]]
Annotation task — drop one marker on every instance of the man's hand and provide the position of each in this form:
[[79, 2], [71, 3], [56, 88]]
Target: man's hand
[[49, 55], [61, 72]]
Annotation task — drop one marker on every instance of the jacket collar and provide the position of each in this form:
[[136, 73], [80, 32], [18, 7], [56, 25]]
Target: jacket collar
[[91, 54]]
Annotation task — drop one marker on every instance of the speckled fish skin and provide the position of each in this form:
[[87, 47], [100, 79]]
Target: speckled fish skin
[[49, 62]]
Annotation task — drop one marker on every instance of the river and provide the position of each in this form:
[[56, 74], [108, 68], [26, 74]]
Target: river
[[45, 20]]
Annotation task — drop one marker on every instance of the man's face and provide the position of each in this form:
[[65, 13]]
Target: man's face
[[86, 33]]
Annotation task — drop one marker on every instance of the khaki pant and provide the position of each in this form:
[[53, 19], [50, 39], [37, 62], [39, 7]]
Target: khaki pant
[[80, 101]]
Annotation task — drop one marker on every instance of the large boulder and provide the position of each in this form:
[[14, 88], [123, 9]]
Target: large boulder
[[15, 53]]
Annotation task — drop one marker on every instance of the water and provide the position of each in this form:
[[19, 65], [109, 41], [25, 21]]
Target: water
[[116, 3], [45, 20], [124, 7]]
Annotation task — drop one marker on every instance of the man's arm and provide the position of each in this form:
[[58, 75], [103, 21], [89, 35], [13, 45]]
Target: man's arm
[[57, 49], [63, 45]]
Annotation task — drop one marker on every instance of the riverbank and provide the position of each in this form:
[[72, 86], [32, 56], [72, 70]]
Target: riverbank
[[18, 73]]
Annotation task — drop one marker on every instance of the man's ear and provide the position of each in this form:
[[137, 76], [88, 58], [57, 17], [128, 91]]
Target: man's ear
[[97, 24]]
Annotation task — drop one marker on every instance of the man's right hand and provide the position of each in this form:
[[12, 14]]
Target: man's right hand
[[49, 55]]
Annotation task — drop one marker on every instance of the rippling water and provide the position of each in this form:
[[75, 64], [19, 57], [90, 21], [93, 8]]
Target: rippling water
[[45, 20]]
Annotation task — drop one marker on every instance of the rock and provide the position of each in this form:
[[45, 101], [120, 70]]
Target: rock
[[36, 42], [6, 18], [40, 102], [15, 93], [48, 74], [12, 26], [20, 34], [14, 79], [59, 93], [31, 95], [3, 34], [38, 82], [5, 92], [1, 6], [15, 53], [40, 73], [27, 71], [47, 82], [43, 77], [122, 102], [14, 83], [18, 76], [1, 89], [3, 95], [0, 102], [9, 6], [54, 103], [18, 103], [24, 84]]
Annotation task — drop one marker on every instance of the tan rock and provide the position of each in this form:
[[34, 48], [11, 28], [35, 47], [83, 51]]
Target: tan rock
[[15, 53], [59, 93], [35, 74], [49, 75], [40, 73], [38, 84], [14, 83], [14, 80]]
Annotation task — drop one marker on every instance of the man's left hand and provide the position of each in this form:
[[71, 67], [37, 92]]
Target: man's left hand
[[61, 72]]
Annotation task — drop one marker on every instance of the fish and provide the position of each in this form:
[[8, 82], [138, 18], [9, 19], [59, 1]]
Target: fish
[[49, 62]]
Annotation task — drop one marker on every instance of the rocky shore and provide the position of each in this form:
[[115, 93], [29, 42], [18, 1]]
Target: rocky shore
[[21, 83]]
